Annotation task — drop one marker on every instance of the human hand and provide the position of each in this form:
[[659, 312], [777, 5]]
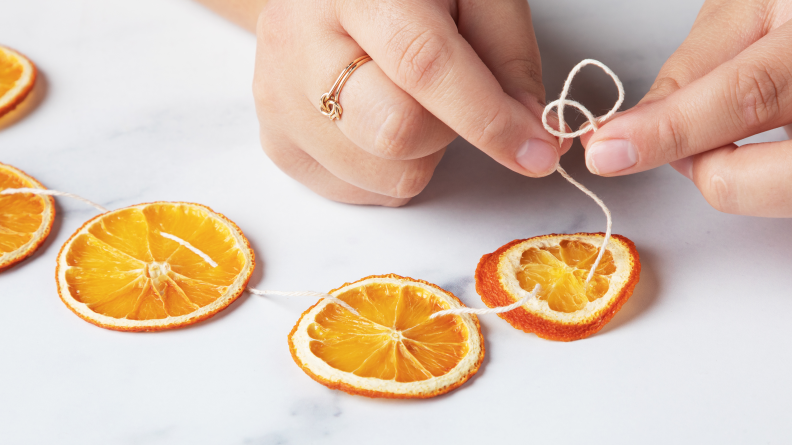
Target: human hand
[[440, 68], [730, 79]]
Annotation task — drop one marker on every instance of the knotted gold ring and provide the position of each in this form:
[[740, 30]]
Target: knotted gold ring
[[330, 105]]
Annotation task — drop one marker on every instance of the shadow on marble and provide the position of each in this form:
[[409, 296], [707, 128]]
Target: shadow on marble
[[644, 296], [468, 179], [465, 169], [29, 104], [468, 182]]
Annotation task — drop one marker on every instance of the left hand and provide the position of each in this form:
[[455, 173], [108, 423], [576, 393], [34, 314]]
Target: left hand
[[730, 79]]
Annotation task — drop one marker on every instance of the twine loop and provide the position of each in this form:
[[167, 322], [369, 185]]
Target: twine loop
[[593, 124]]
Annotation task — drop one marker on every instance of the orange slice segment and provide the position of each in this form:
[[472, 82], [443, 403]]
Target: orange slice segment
[[17, 76], [392, 349], [119, 272], [565, 308], [25, 219]]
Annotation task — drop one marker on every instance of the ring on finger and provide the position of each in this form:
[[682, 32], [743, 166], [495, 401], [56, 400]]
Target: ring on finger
[[330, 105]]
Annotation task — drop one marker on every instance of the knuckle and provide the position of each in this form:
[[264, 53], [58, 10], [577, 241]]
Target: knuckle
[[277, 152], [422, 57], [271, 23], [719, 193], [758, 92], [526, 68], [262, 94], [287, 156], [395, 137], [494, 126], [412, 182], [713, 179], [671, 138], [664, 86], [272, 35]]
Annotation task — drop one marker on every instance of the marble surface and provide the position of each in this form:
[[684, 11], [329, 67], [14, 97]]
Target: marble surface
[[150, 100]]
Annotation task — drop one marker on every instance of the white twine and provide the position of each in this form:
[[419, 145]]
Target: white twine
[[253, 291], [194, 249], [325, 296], [494, 310], [593, 124], [52, 193]]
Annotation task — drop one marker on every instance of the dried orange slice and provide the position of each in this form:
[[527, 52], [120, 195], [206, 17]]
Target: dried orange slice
[[17, 76], [564, 309], [25, 219], [123, 270], [392, 349]]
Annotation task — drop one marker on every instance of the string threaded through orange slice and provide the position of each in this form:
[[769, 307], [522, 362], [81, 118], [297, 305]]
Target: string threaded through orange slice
[[119, 272], [17, 76], [392, 349], [566, 308], [25, 219]]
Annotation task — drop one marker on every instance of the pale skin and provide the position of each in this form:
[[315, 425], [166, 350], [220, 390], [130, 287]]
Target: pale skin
[[471, 68]]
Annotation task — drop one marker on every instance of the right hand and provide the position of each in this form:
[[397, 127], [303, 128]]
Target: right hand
[[440, 69], [730, 79]]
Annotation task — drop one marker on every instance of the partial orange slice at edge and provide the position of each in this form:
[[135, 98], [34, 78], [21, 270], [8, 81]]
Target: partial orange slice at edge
[[17, 76], [25, 219]]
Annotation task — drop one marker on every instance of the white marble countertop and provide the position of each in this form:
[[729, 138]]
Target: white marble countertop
[[150, 100]]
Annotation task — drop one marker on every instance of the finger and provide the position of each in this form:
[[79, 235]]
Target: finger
[[715, 38], [746, 95], [301, 167], [419, 48], [722, 30], [378, 116], [751, 180], [283, 110], [391, 177], [502, 34]]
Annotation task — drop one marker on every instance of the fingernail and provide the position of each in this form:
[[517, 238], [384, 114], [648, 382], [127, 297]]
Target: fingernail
[[684, 166], [538, 157], [611, 156]]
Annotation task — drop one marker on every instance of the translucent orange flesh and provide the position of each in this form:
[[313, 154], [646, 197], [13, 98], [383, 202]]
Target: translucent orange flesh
[[10, 72], [562, 271], [20, 215], [393, 339], [124, 268]]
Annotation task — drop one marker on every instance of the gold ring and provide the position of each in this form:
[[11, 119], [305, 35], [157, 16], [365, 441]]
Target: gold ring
[[330, 105]]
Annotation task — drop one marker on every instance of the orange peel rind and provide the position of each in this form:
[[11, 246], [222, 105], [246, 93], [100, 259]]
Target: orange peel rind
[[118, 272], [17, 77], [565, 309], [25, 219], [392, 349]]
